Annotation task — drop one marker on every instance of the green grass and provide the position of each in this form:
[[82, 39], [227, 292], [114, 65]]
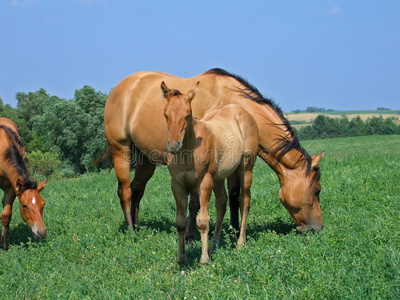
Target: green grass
[[89, 255]]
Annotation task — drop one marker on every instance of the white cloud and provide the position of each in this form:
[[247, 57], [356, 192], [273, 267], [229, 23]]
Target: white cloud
[[336, 10], [21, 3]]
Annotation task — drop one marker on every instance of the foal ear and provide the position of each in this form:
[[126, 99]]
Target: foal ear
[[165, 91], [193, 92], [316, 159], [41, 186]]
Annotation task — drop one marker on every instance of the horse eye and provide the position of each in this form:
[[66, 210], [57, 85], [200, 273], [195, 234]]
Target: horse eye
[[188, 117], [24, 206], [166, 116]]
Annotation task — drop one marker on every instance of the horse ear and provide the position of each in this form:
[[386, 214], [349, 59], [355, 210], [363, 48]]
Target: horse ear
[[165, 91], [316, 159], [41, 186], [193, 91], [19, 185]]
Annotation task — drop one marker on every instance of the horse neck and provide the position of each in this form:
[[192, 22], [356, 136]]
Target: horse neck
[[14, 168], [12, 174], [272, 132], [189, 141]]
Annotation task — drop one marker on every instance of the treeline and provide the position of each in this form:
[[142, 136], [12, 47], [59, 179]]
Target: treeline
[[61, 137], [324, 127], [312, 109]]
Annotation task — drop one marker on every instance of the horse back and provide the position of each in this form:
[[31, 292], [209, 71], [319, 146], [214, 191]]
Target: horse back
[[134, 111]]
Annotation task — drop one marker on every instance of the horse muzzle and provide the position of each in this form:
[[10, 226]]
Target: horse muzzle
[[174, 147], [303, 229], [39, 233]]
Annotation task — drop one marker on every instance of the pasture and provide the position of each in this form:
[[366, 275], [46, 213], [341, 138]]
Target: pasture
[[88, 254], [308, 118]]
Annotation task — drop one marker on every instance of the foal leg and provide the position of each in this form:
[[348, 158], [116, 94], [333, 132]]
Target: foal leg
[[203, 219], [234, 191], [8, 201], [181, 223], [244, 200], [144, 171], [220, 205], [194, 206]]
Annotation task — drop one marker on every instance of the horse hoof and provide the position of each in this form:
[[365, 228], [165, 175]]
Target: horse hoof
[[182, 259], [204, 261]]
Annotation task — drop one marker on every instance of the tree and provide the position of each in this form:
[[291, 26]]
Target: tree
[[30, 106], [74, 129]]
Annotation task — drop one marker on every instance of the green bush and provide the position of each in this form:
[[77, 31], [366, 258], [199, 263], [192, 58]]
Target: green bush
[[43, 163]]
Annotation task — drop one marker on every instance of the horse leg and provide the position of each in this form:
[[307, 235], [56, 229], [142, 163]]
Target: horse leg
[[8, 201], [122, 170], [244, 199], [234, 191], [220, 205], [181, 223], [203, 219], [144, 170], [194, 206]]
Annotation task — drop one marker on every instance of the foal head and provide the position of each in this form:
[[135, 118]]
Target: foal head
[[31, 206], [178, 114]]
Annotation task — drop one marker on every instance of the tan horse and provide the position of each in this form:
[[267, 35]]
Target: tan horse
[[14, 181], [133, 120], [205, 152]]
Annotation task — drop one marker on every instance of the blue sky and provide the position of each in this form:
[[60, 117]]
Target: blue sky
[[343, 55]]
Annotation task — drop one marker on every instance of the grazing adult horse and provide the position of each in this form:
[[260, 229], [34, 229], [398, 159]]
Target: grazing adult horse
[[134, 123], [14, 181], [205, 152]]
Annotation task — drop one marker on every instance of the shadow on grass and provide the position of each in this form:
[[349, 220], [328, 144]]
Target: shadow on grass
[[161, 224], [228, 239], [20, 234], [230, 236], [278, 226]]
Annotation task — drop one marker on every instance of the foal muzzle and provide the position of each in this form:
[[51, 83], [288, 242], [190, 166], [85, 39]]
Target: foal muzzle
[[174, 147]]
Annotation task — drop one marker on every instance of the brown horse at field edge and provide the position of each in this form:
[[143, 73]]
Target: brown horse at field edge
[[15, 182], [135, 128], [224, 144]]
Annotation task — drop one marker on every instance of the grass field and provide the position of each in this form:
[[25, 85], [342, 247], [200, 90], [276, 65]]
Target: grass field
[[89, 255]]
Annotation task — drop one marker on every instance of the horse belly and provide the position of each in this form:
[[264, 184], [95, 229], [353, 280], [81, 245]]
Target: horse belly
[[230, 152]]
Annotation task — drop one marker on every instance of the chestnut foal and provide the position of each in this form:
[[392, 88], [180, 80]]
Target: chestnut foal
[[202, 153]]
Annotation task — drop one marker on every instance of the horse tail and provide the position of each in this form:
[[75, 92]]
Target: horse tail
[[105, 155]]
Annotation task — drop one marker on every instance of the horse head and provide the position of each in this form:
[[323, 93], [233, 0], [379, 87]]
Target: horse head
[[31, 207], [178, 114], [300, 196]]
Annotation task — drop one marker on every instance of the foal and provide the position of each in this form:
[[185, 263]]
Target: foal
[[15, 182], [224, 144]]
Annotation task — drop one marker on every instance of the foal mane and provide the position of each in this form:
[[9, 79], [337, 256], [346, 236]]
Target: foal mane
[[14, 155], [289, 139]]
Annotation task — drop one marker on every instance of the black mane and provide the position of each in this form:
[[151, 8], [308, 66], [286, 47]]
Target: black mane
[[16, 159], [288, 142]]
